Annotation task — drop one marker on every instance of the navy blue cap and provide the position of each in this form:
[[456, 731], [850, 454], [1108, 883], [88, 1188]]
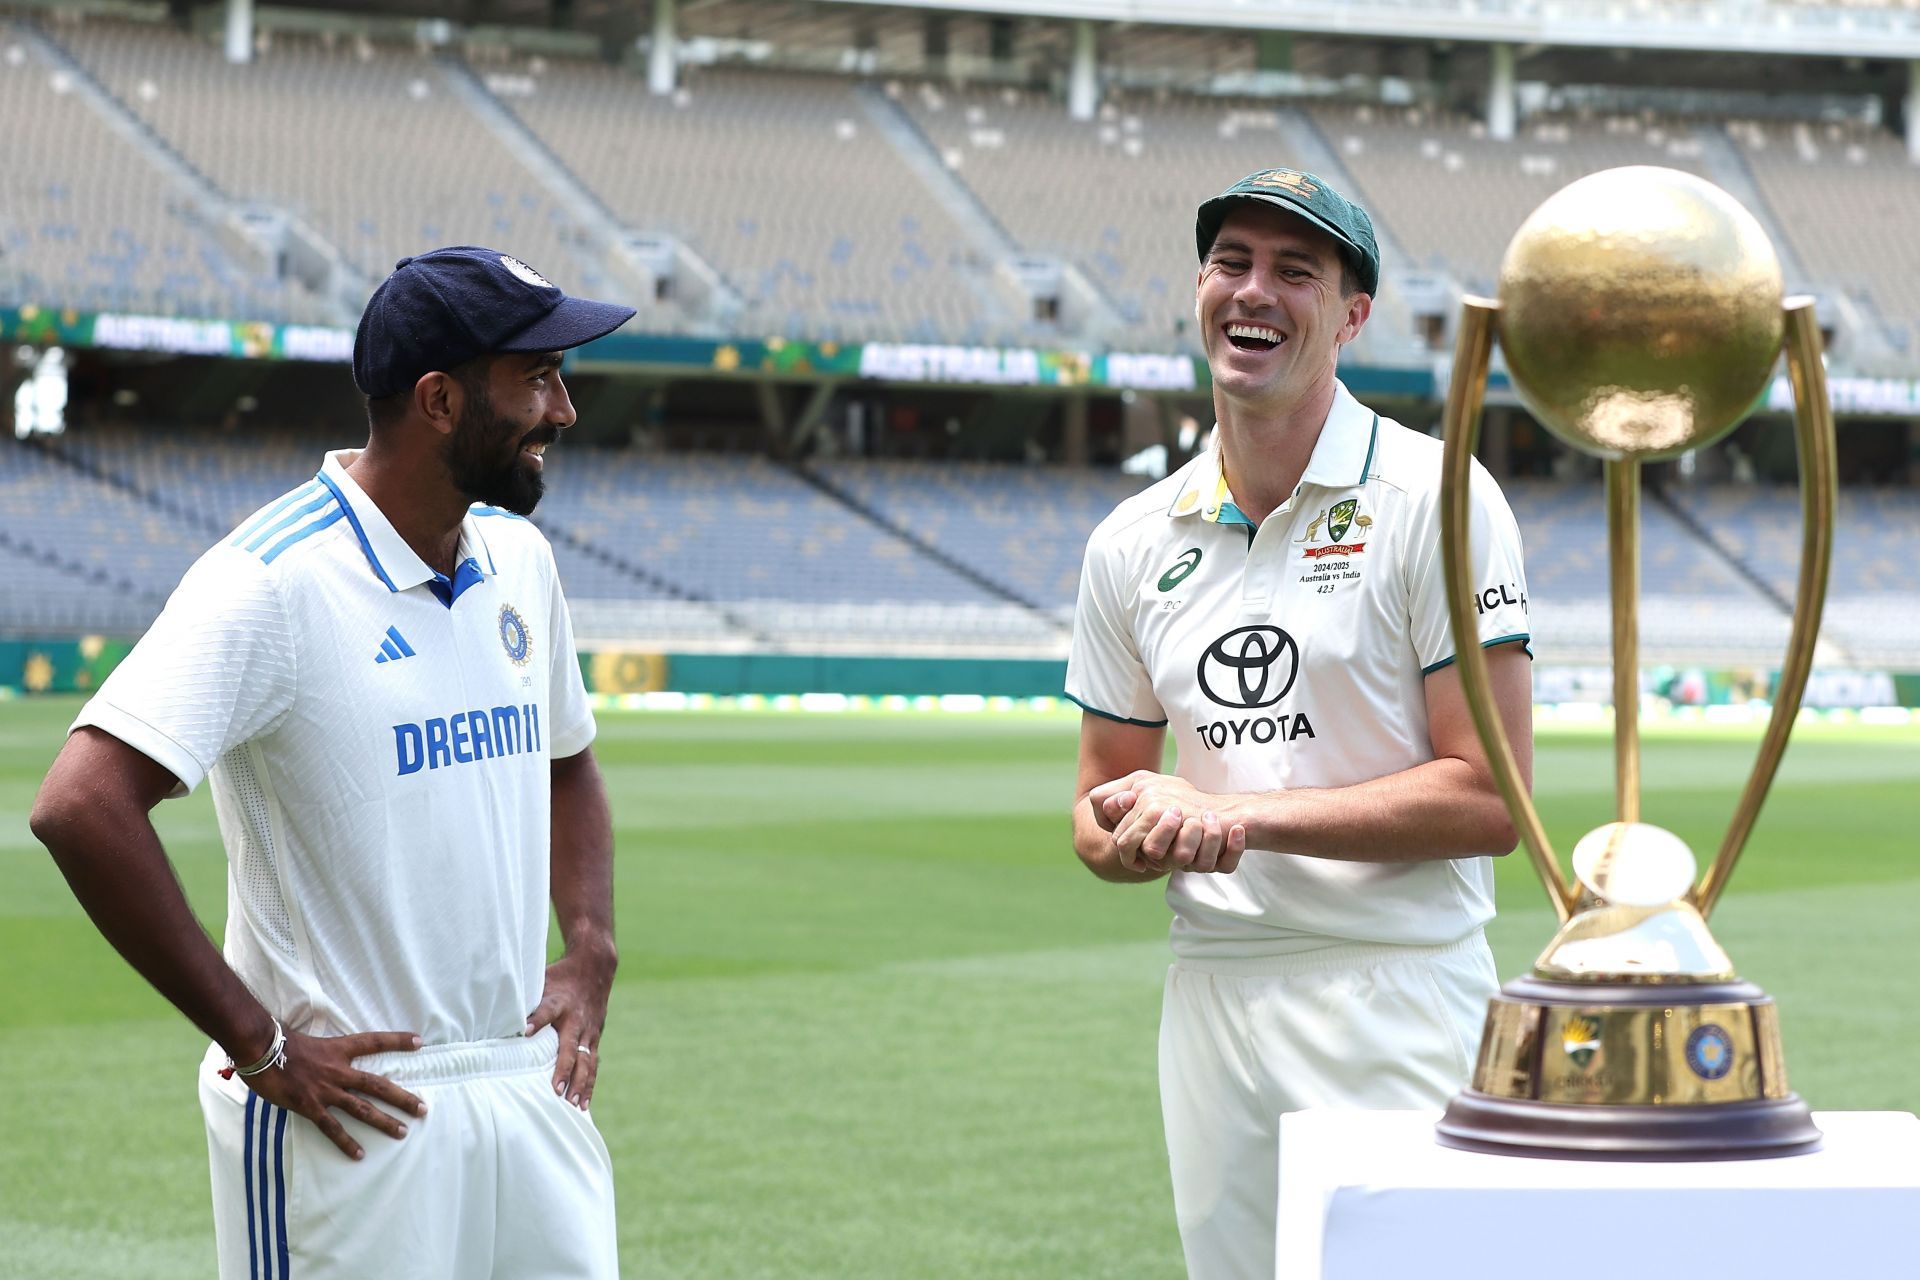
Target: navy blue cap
[[448, 306]]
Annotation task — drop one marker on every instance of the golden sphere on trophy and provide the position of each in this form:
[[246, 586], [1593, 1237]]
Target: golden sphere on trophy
[[1640, 312]]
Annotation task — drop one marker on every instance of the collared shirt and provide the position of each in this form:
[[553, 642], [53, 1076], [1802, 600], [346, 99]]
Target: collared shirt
[[1293, 654], [378, 738]]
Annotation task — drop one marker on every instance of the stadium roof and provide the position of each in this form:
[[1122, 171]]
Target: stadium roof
[[1741, 26]]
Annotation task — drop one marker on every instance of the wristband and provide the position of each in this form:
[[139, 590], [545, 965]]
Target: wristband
[[275, 1056]]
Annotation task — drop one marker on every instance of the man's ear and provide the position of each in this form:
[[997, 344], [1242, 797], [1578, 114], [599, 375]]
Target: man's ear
[[439, 397], [1359, 307]]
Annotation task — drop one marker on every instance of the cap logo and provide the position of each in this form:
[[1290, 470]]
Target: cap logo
[[525, 272], [1289, 180]]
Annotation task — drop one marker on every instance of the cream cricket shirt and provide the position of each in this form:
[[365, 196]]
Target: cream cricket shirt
[[1293, 655], [378, 739]]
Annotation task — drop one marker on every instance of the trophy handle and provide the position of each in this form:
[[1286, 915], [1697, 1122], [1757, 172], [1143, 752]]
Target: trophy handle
[[1813, 423], [1460, 431]]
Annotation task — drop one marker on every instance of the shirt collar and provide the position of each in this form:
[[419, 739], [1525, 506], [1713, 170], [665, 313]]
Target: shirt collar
[[391, 559], [1343, 455], [1342, 458]]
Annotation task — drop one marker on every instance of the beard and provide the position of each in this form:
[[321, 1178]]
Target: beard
[[483, 458]]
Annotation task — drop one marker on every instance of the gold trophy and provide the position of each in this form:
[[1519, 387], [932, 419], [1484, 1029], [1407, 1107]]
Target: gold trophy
[[1641, 314]]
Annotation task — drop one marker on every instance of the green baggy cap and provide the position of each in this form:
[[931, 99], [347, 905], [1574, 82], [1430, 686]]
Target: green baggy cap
[[1308, 196]]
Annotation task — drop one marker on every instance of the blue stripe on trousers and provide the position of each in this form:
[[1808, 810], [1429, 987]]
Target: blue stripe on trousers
[[280, 1188], [266, 1219], [246, 1168]]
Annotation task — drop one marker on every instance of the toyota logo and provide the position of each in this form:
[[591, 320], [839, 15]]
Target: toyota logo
[[1255, 666]]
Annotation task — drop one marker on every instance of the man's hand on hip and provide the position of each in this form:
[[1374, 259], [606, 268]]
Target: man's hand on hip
[[575, 1005], [1161, 822], [317, 1077]]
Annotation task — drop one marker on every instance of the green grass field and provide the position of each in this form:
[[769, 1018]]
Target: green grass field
[[873, 1020]]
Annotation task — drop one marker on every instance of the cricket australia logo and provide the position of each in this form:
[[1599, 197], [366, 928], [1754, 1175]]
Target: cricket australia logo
[[1341, 518], [1581, 1039], [514, 636], [1289, 180]]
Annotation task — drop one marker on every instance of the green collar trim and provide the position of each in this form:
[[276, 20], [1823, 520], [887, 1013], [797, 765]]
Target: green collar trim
[[1230, 514], [1373, 443]]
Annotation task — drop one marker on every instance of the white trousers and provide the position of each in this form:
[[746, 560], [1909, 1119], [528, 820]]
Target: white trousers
[[501, 1180], [1356, 1026]]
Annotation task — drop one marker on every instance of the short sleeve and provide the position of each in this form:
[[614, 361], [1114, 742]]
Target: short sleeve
[[1104, 672], [1498, 575], [215, 671], [567, 708]]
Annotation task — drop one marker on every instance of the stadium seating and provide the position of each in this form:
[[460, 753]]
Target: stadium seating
[[1872, 613], [1114, 195], [789, 562], [79, 553], [812, 214], [782, 184], [712, 549], [731, 551], [1453, 196], [86, 221], [1027, 527], [363, 141], [1821, 176]]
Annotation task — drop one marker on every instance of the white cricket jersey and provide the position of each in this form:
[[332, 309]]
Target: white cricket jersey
[[379, 739], [1294, 655]]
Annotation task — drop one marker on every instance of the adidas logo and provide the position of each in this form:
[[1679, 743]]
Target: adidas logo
[[394, 647]]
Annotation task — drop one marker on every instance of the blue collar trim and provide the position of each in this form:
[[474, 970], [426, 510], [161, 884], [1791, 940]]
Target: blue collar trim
[[358, 532], [465, 574]]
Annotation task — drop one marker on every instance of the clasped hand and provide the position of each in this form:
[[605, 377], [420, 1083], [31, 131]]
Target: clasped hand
[[1161, 823]]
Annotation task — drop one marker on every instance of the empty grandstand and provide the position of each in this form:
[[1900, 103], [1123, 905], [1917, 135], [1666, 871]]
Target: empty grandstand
[[88, 221], [912, 283], [730, 552]]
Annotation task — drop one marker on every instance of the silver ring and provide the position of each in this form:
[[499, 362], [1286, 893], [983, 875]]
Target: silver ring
[[580, 1048]]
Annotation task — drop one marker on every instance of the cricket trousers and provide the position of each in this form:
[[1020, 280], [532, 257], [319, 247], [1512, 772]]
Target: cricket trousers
[[1242, 1041], [502, 1179]]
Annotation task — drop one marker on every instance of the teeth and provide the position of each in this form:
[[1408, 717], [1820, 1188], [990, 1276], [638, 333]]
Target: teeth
[[1259, 331], [536, 449]]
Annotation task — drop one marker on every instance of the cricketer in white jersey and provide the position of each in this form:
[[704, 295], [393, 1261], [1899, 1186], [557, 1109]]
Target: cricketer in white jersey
[[1276, 607], [376, 673], [378, 757]]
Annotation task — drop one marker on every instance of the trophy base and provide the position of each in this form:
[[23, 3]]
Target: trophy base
[[1630, 1071], [1760, 1129]]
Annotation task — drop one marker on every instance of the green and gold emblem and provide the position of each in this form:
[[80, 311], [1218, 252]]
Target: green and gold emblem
[[1340, 518], [1581, 1039]]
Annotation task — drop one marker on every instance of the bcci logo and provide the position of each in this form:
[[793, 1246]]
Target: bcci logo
[[1710, 1052], [525, 273], [514, 636], [1580, 1038]]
